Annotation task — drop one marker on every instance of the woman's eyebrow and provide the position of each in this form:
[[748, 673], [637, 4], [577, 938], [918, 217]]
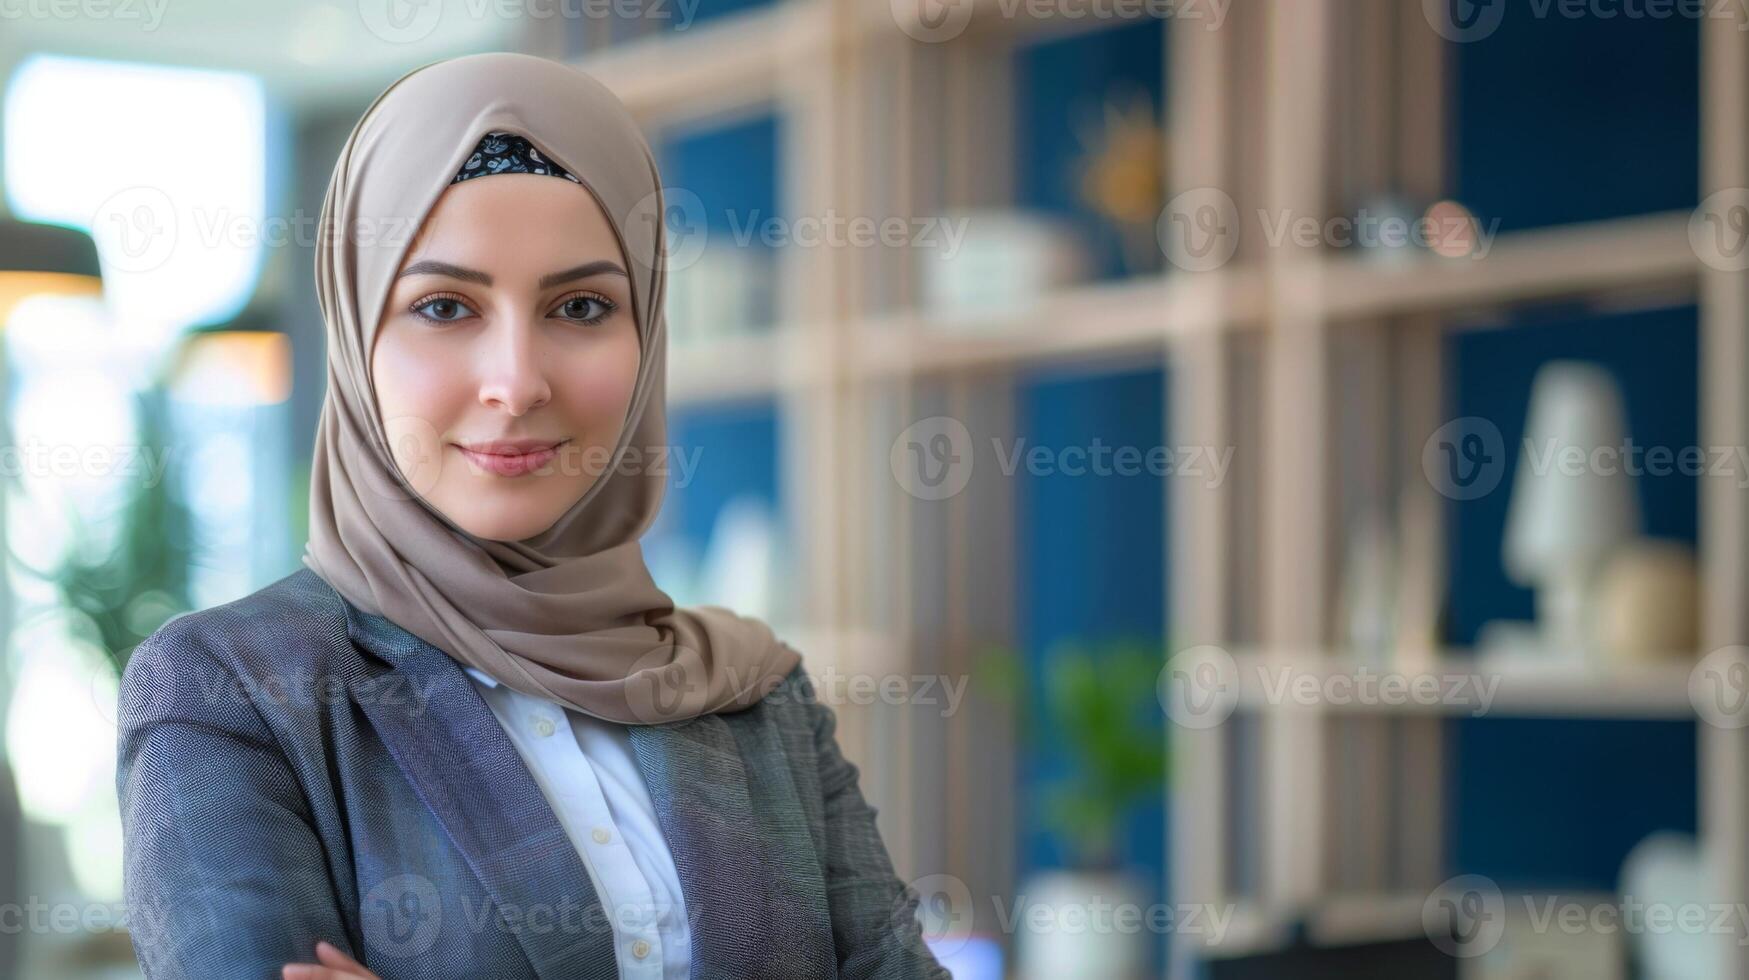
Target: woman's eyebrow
[[432, 267], [600, 267]]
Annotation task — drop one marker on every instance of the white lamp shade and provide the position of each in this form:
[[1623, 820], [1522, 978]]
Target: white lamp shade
[[1573, 499]]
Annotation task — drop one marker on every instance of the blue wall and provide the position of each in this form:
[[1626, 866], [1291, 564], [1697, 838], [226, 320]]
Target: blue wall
[[1558, 119], [737, 443], [736, 170], [1558, 803]]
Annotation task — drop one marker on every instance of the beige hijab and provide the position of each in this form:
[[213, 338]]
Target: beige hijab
[[571, 614]]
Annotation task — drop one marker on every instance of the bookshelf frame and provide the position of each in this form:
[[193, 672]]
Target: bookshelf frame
[[877, 122]]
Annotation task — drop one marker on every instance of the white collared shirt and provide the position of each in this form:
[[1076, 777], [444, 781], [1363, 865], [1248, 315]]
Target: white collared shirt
[[597, 791]]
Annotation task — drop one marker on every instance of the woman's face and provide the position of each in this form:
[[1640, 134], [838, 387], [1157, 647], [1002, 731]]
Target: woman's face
[[507, 353]]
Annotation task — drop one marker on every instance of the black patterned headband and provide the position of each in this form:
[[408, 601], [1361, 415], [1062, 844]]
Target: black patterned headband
[[508, 153]]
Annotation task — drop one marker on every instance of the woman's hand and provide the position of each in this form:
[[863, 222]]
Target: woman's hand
[[335, 965]]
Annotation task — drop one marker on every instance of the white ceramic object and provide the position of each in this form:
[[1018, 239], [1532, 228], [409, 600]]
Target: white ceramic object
[[1669, 870], [725, 291], [1573, 499], [1066, 928], [982, 263]]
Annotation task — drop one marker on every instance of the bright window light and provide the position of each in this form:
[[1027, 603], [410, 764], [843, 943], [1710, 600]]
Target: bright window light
[[165, 167]]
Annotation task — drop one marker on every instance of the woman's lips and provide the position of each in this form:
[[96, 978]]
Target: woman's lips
[[512, 463]]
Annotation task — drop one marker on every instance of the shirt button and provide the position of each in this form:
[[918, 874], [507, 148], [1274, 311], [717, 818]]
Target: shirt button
[[601, 835], [640, 949], [543, 726]]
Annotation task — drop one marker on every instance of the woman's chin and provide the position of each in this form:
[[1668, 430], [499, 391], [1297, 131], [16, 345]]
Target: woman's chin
[[508, 520]]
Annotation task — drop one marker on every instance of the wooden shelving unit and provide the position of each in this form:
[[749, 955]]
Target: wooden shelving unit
[[1644, 691], [877, 122], [1320, 304]]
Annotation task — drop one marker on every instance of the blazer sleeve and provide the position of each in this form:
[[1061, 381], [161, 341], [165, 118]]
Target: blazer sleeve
[[223, 874], [874, 914]]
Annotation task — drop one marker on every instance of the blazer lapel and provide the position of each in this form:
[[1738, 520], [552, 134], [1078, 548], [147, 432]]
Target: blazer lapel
[[465, 769], [730, 853]]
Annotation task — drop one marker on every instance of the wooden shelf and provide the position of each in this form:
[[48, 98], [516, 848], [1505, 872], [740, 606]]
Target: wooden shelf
[[1551, 263], [975, 17], [1335, 919], [1089, 322], [1084, 323], [1141, 316], [727, 368], [1250, 929], [1644, 691]]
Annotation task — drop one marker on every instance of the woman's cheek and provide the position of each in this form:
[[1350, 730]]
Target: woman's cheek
[[606, 382], [416, 394]]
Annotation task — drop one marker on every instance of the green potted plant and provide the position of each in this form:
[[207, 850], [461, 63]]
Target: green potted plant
[[118, 589], [1097, 705]]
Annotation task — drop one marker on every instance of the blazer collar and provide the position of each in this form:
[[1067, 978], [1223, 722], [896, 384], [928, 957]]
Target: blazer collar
[[467, 771]]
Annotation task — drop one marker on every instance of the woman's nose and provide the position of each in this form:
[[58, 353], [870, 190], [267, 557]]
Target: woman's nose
[[513, 370]]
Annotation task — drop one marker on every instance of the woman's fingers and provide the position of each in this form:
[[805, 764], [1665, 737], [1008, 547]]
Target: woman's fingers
[[335, 965], [330, 955], [310, 971]]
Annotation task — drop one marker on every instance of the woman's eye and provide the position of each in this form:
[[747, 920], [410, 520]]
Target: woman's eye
[[443, 309], [587, 309]]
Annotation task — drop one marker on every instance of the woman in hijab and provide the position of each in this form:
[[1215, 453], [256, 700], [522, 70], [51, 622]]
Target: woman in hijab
[[472, 737]]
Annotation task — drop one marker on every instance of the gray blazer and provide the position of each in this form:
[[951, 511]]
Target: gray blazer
[[292, 768]]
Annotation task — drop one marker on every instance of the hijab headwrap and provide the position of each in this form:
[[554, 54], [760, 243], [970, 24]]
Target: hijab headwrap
[[571, 614]]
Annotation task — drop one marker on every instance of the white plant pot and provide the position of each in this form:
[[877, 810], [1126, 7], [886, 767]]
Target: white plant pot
[[1082, 925]]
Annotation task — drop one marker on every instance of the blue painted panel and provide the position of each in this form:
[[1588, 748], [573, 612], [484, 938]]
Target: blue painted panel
[[1558, 803], [1560, 119], [736, 446], [1061, 89]]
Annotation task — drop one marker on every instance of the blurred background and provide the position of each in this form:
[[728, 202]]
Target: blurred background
[[1262, 483]]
